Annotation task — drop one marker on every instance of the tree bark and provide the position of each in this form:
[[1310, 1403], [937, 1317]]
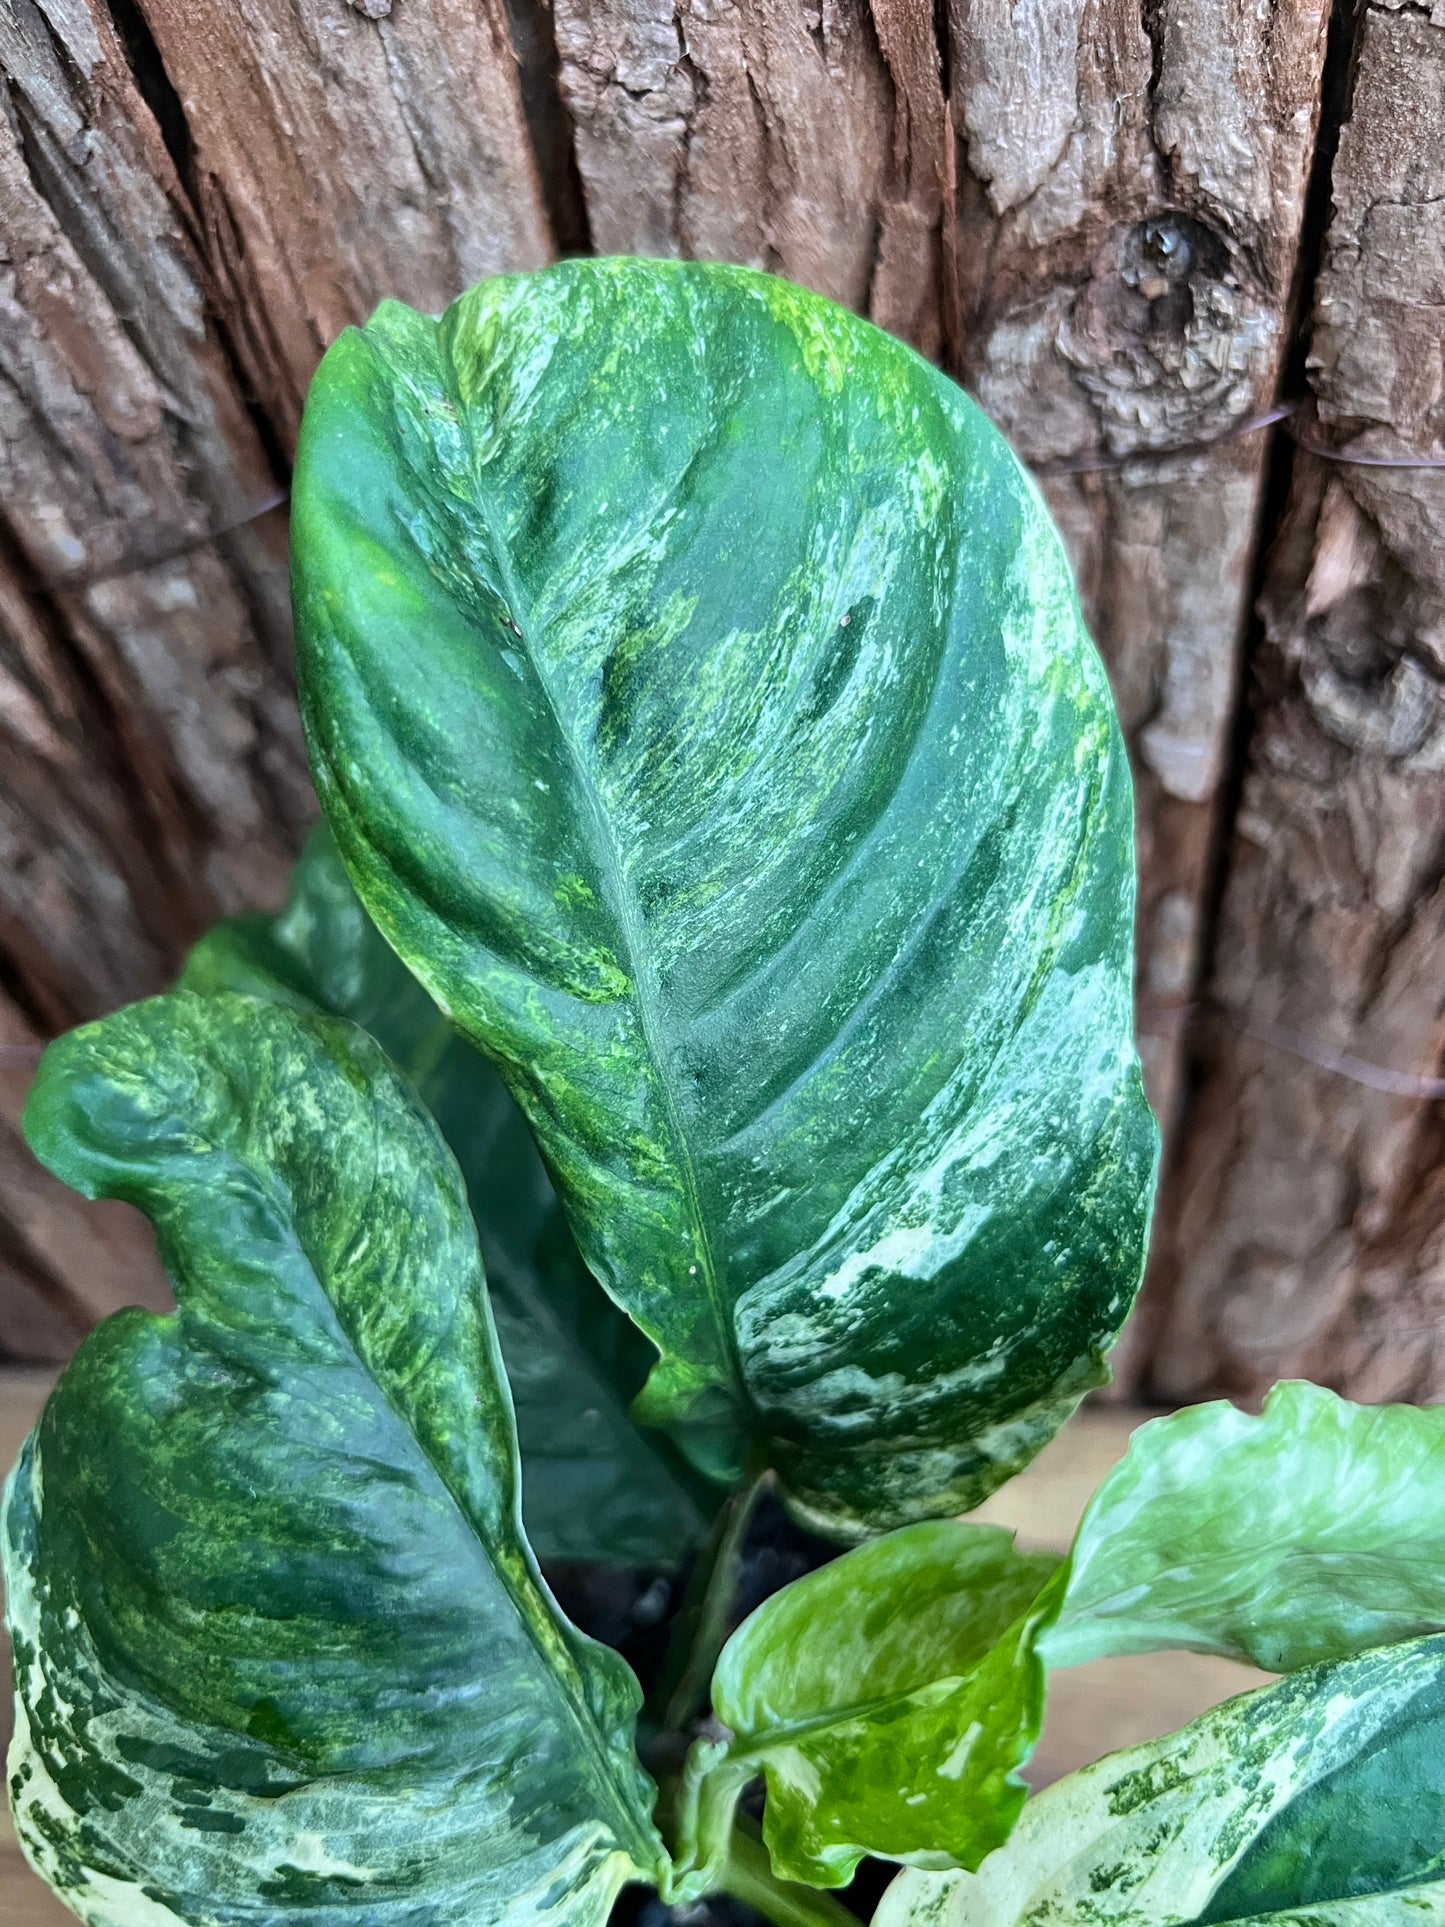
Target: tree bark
[[1090, 210], [1306, 1222], [154, 771], [193, 201], [338, 152], [187, 222], [1130, 200]]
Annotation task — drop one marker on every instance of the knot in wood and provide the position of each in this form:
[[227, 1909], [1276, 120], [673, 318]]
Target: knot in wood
[[1169, 337], [1368, 638], [1398, 716]]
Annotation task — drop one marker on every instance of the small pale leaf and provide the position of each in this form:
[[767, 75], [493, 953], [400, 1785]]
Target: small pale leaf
[[889, 1700], [1305, 1534]]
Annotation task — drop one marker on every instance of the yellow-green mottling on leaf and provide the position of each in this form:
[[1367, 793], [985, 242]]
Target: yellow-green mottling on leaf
[[594, 1485], [1317, 1802], [282, 1653], [1306, 1533], [888, 1700], [688, 585]]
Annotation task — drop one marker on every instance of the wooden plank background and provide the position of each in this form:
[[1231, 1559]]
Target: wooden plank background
[[1131, 229]]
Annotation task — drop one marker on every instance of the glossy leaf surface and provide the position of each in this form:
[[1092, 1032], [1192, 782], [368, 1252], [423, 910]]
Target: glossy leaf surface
[[698, 695], [1411, 1907], [1308, 1797], [594, 1485], [889, 1700], [282, 1652], [1305, 1534]]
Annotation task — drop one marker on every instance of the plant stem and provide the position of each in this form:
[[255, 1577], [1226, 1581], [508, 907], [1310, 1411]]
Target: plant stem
[[702, 1624], [748, 1877]]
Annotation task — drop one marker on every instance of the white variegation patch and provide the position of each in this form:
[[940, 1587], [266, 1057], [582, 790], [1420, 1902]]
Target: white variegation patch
[[1146, 1838]]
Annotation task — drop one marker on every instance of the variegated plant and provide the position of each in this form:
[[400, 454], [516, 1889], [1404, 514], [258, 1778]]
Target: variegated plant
[[695, 1054]]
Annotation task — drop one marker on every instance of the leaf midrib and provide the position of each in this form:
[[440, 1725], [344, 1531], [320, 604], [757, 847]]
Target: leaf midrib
[[572, 1692], [621, 901], [574, 1701], [922, 1698]]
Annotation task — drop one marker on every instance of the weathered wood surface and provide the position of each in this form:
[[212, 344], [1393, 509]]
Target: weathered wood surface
[[342, 150], [153, 766], [1308, 1218], [1130, 200]]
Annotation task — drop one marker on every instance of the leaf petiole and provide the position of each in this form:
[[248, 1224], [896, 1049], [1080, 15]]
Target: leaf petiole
[[702, 1625], [747, 1875]]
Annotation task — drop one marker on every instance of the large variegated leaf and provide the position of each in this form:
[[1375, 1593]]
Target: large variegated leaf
[[1306, 1534], [1319, 1801], [594, 1485], [698, 695], [282, 1653], [888, 1700]]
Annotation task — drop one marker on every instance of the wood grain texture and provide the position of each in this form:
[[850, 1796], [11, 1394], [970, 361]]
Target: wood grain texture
[[343, 150], [153, 770], [181, 234], [1308, 1216], [805, 139], [1131, 188]]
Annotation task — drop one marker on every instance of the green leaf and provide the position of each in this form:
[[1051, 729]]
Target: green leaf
[[698, 695], [1300, 1800], [594, 1485], [282, 1652], [1306, 1534], [1410, 1907], [888, 1700]]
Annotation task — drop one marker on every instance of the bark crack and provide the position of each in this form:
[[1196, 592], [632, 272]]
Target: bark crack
[[194, 209], [1152, 22], [682, 174], [1337, 83], [550, 128], [156, 89], [943, 48], [772, 260]]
